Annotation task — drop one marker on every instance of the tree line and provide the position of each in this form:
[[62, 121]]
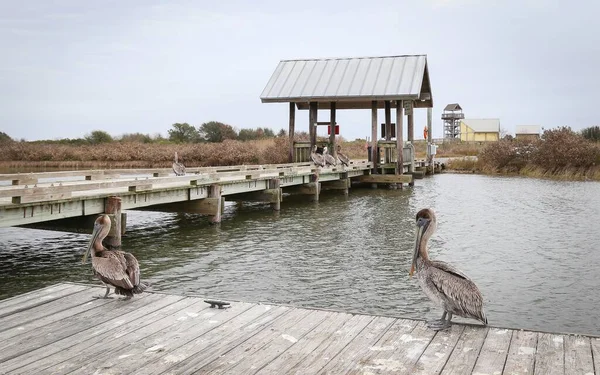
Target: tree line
[[212, 132]]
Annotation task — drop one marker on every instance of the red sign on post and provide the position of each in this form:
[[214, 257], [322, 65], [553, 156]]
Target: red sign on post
[[337, 130]]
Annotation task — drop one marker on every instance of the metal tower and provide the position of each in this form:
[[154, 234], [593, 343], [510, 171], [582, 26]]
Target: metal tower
[[451, 116]]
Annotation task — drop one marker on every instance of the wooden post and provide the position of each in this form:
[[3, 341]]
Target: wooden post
[[316, 186], [313, 109], [374, 153], [411, 128], [429, 138], [274, 184], [215, 192], [291, 131], [332, 127], [388, 120], [399, 137], [112, 207]]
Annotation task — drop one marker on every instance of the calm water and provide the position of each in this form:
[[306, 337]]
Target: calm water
[[532, 247]]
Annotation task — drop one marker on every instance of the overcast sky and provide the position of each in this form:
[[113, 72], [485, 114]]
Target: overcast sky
[[70, 67]]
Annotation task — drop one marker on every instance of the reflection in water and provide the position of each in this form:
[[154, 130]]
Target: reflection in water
[[528, 244]]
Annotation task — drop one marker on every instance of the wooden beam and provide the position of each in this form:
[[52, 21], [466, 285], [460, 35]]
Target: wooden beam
[[310, 188], [292, 126], [25, 180], [399, 137], [374, 153], [342, 185], [386, 178], [388, 121], [411, 128], [313, 111], [112, 207], [332, 134]]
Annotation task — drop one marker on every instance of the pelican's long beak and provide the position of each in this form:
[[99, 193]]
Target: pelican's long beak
[[91, 244], [422, 225]]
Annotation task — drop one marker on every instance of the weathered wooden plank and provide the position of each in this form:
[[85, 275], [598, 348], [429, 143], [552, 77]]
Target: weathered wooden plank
[[259, 352], [578, 355], [37, 293], [521, 353], [595, 342], [386, 178], [192, 356], [492, 356], [86, 336], [148, 344], [435, 356], [550, 355], [24, 345], [350, 356], [40, 323], [288, 359], [314, 362], [465, 353], [35, 300], [398, 350], [279, 327]]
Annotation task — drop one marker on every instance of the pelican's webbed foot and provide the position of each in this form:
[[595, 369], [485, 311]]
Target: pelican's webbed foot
[[440, 324], [105, 296]]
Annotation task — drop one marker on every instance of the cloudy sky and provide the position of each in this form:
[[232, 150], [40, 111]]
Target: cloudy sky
[[69, 67]]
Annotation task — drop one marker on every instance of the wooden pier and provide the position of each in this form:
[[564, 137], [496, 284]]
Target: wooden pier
[[43, 199], [61, 329]]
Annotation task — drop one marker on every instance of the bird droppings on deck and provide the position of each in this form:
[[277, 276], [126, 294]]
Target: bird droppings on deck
[[558, 339], [123, 356], [191, 314], [291, 339], [466, 350], [156, 348], [382, 348], [385, 366], [502, 332], [526, 350]]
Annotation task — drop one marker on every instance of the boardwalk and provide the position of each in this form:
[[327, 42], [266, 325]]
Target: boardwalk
[[61, 329]]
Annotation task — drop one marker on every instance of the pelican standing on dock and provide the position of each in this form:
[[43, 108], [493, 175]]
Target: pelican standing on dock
[[342, 157], [113, 267], [317, 158], [441, 282], [178, 167], [329, 160]]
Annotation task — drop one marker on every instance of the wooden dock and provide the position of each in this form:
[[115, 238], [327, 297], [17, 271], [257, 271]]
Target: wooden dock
[[35, 198], [61, 329]]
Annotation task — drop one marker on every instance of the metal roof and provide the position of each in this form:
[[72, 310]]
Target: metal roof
[[351, 82], [483, 125], [453, 107], [527, 129]]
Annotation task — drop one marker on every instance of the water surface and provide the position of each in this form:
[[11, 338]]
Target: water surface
[[532, 247]]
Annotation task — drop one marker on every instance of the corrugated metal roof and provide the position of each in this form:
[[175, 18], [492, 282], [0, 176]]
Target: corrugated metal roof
[[527, 129], [483, 125], [349, 79], [453, 107]]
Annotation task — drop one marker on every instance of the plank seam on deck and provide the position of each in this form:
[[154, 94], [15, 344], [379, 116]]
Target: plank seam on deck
[[512, 334], [487, 332]]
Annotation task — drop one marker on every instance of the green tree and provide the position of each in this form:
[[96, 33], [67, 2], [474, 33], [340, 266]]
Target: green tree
[[214, 131], [282, 133], [4, 137], [592, 133], [98, 136], [136, 137], [183, 133]]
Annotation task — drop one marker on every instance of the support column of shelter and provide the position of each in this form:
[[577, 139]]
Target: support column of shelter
[[313, 109], [399, 137], [112, 207], [388, 121], [333, 151], [374, 153], [291, 131], [429, 139]]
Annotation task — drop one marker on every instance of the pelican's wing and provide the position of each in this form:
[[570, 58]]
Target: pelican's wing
[[133, 268], [458, 289], [112, 271]]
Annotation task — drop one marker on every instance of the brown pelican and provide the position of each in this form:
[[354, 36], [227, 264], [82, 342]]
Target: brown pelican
[[113, 267], [178, 167], [317, 158], [341, 157], [329, 160], [441, 282]]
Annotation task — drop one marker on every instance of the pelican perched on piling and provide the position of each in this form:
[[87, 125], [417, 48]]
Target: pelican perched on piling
[[317, 158], [441, 282], [342, 157], [113, 267], [329, 160], [178, 167]]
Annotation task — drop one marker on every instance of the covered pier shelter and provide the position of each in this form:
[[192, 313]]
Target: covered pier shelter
[[399, 82]]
